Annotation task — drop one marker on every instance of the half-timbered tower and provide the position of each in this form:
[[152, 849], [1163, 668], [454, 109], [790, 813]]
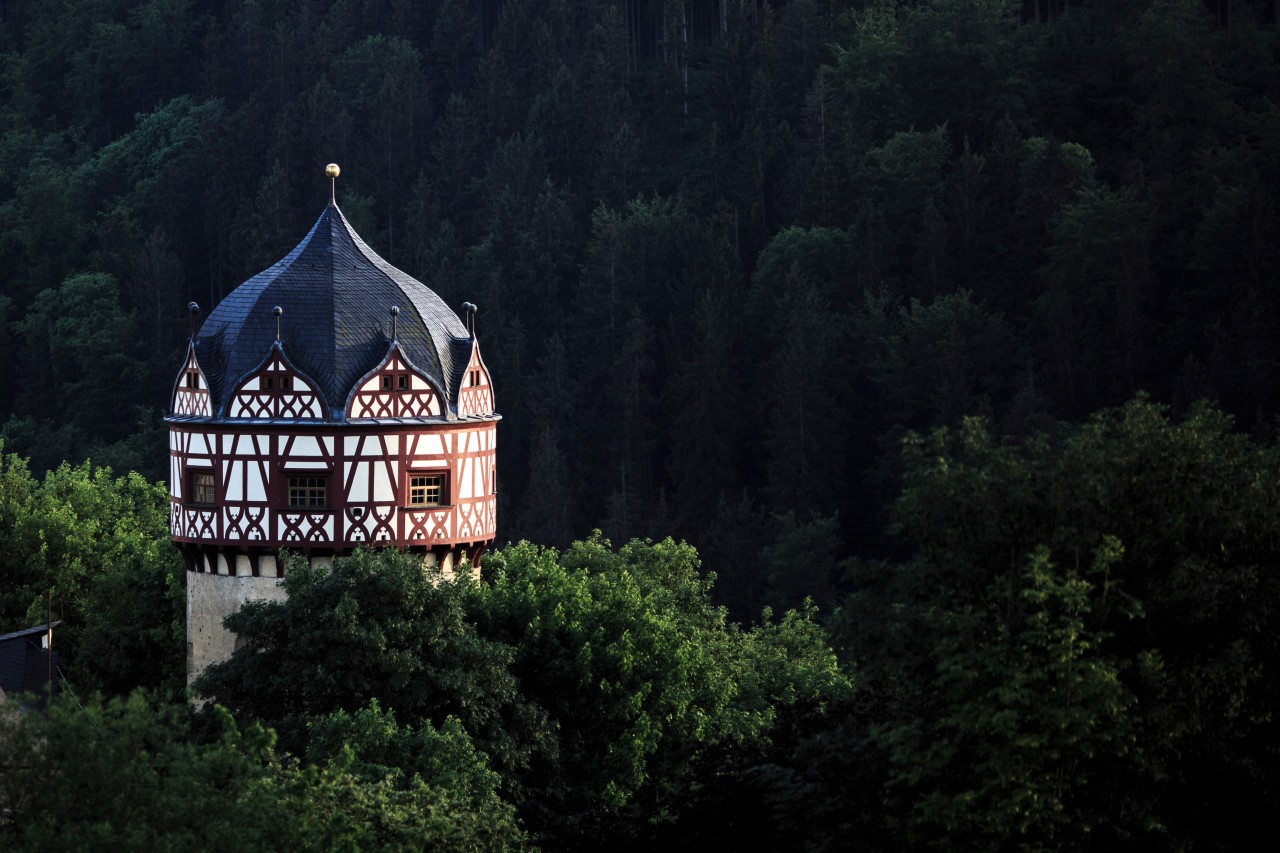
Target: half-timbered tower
[[329, 402]]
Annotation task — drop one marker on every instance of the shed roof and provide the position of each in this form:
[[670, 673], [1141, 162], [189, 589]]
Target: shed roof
[[25, 664]]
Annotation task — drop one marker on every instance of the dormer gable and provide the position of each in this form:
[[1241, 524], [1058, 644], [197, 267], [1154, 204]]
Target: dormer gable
[[475, 394], [395, 389], [276, 389], [190, 397]]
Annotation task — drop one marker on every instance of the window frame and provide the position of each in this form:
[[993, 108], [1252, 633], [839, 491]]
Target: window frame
[[396, 381], [321, 481], [192, 473], [443, 487]]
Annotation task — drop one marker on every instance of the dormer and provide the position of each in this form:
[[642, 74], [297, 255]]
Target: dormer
[[275, 390], [475, 394], [395, 389], [190, 397]]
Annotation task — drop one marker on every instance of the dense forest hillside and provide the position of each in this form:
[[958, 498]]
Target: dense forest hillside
[[725, 254], [945, 333]]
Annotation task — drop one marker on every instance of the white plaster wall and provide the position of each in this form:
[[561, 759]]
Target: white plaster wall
[[257, 485], [305, 445], [359, 479], [233, 476], [383, 488]]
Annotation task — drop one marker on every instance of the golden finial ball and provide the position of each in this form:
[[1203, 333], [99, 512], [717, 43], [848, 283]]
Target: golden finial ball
[[332, 170]]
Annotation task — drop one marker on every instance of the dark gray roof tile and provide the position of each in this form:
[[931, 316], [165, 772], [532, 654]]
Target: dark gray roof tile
[[336, 295]]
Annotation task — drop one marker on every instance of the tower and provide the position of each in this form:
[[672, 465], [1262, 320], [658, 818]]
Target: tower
[[329, 402]]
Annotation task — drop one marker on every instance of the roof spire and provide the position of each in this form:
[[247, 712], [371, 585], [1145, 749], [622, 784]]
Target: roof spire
[[333, 172], [194, 310], [395, 311], [277, 311], [469, 309]]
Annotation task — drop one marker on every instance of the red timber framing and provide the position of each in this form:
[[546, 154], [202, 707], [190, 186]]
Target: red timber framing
[[475, 395], [364, 472], [191, 391], [394, 390], [275, 390]]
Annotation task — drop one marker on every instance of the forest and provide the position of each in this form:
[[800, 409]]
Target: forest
[[889, 392]]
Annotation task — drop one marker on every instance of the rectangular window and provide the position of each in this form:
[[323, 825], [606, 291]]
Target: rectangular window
[[286, 383], [402, 381], [386, 382], [426, 489], [308, 492], [268, 382], [202, 488], [192, 381]]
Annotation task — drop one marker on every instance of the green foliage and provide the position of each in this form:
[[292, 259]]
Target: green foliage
[[1082, 646], [125, 775], [80, 339], [639, 671], [159, 154], [572, 684], [934, 363], [1099, 277], [121, 775], [867, 71], [100, 547], [613, 646], [438, 772], [786, 662], [801, 560], [903, 179], [374, 626], [1032, 717]]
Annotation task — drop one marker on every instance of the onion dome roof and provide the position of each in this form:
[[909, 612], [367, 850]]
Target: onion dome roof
[[335, 325]]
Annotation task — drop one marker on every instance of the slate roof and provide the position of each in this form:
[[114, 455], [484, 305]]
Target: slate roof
[[336, 294]]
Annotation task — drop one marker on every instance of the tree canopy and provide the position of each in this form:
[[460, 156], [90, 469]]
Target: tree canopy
[[126, 775], [584, 677], [1081, 649]]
